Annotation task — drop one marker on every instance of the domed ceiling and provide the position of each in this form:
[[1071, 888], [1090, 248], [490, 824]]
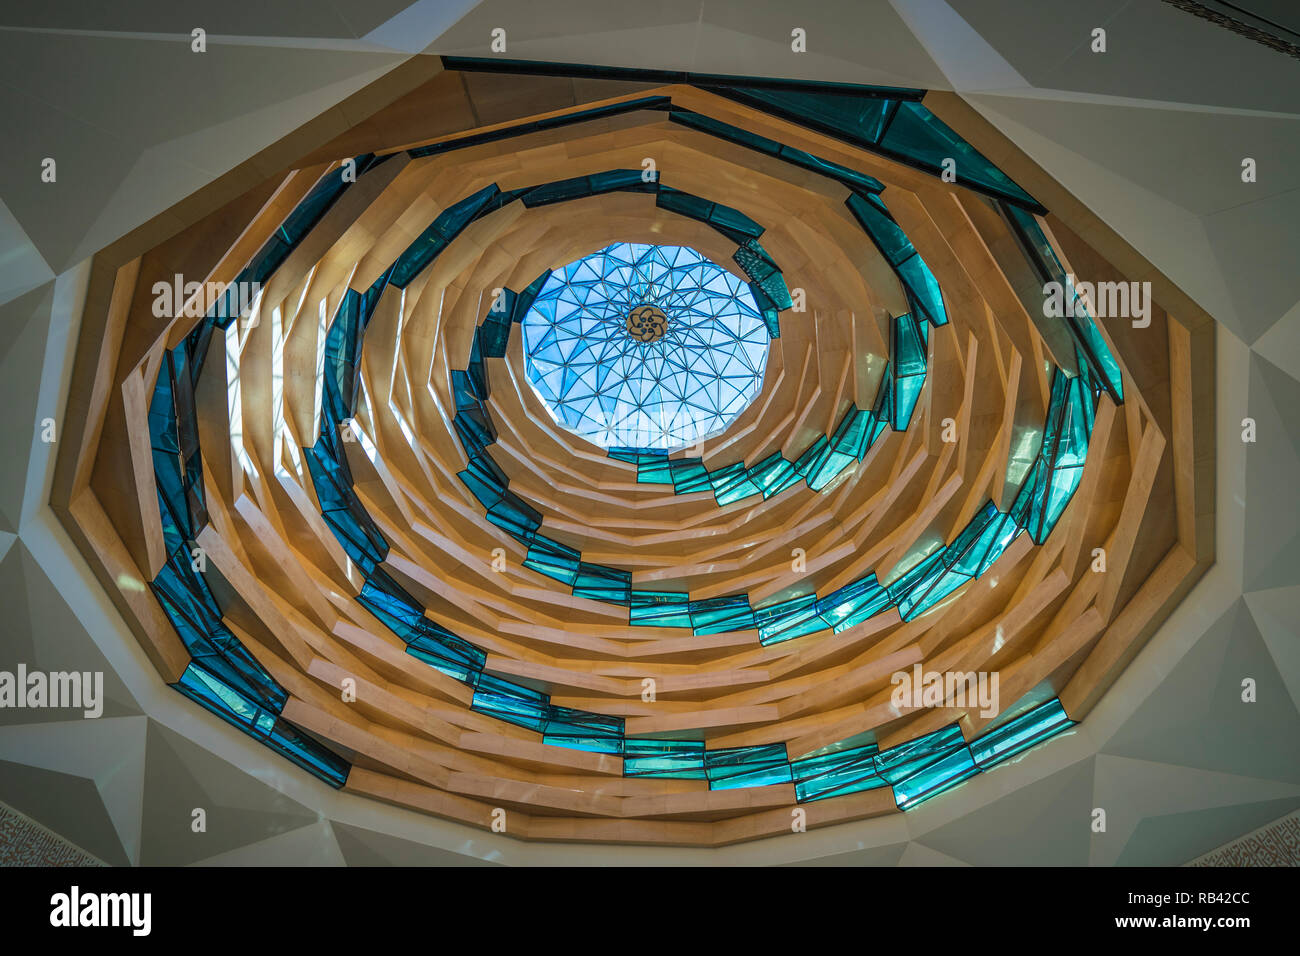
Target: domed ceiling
[[638, 457]]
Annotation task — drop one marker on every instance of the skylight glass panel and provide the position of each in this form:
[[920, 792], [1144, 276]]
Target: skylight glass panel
[[645, 346]]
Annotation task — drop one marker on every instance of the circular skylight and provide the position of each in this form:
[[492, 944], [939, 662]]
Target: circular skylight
[[639, 346]]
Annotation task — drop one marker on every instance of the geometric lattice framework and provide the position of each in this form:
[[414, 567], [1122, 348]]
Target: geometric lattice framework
[[695, 367], [346, 479]]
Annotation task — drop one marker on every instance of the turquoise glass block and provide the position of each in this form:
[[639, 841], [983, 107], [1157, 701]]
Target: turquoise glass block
[[553, 559], [511, 702], [813, 458], [732, 483], [767, 308], [774, 474], [763, 272], [736, 226], [581, 730], [923, 287], [515, 518], [1096, 354], [835, 774], [853, 603], [761, 766], [857, 118], [1018, 735], [992, 533], [955, 567], [280, 735], [717, 615], [797, 157], [788, 619], [915, 577], [853, 434], [906, 373], [830, 467], [494, 334], [667, 759], [1056, 472], [660, 609], [474, 430], [918, 281], [603, 584], [439, 235], [921, 137], [943, 774], [404, 616], [651, 471], [689, 475], [902, 761], [636, 456]]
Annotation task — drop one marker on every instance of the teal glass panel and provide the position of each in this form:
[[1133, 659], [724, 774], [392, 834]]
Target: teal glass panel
[[907, 759], [1018, 735], [439, 235], [797, 157], [920, 136], [280, 735], [773, 475], [636, 456], [600, 583], [858, 118], [813, 458], [924, 290], [853, 603], [581, 730], [763, 272], [718, 615], [736, 767], [1092, 347], [689, 475], [732, 483], [660, 609], [853, 434], [553, 559], [654, 472], [943, 774], [511, 702], [788, 619], [669, 759], [835, 774]]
